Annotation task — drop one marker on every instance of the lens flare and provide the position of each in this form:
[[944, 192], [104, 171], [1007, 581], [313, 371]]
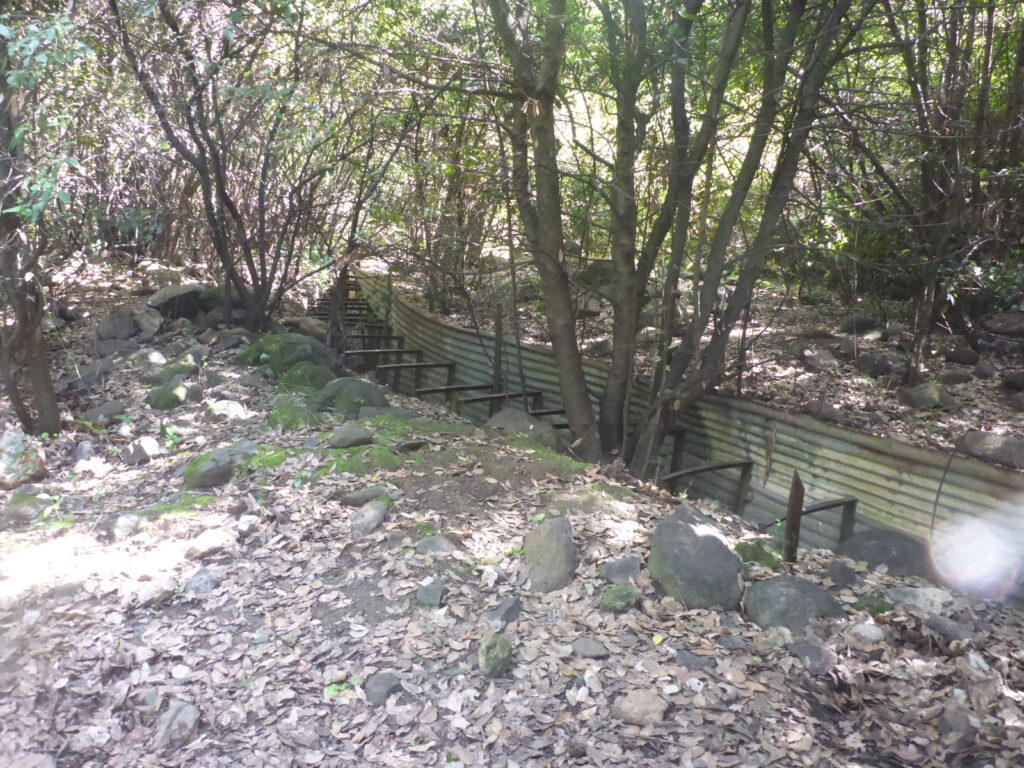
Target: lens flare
[[980, 557]]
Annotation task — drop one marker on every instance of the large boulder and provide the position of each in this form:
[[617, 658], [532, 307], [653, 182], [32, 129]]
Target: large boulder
[[283, 350], [176, 301], [217, 467], [517, 420], [901, 553], [345, 396], [550, 554], [174, 393], [790, 602], [690, 562], [998, 449]]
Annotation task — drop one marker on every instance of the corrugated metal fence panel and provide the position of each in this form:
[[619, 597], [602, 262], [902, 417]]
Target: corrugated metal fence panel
[[895, 483]]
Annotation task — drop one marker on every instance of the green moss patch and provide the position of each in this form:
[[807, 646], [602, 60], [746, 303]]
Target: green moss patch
[[182, 504], [873, 604], [754, 552], [306, 376]]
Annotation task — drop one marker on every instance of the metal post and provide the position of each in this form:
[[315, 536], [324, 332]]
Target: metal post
[[794, 511]]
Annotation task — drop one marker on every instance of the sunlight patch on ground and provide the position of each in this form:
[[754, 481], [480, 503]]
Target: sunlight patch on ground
[[979, 557], [78, 557]]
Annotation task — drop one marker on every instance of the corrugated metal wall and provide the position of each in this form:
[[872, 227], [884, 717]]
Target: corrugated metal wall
[[895, 483]]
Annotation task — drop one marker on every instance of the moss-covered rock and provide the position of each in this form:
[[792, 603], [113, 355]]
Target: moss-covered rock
[[288, 412], [619, 599], [172, 394], [306, 377], [217, 467], [345, 396], [754, 552], [495, 655], [283, 350]]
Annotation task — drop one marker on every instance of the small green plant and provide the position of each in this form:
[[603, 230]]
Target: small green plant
[[873, 604]]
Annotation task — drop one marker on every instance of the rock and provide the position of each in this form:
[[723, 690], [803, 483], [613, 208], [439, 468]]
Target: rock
[[495, 655], [283, 350], [844, 348], [949, 630], [204, 581], [347, 395], [874, 365], [866, 634], [732, 642], [368, 518], [1005, 323], [363, 495], [176, 301], [306, 376], [929, 599], [172, 394], [903, 554], [94, 374], [619, 599], [410, 446], [859, 324], [157, 591], [550, 554], [177, 726], [817, 359], [117, 326], [350, 435], [1013, 380], [640, 707], [961, 356], [648, 337], [984, 370], [689, 561], [211, 542], [379, 688], [108, 347], [841, 573], [27, 504], [246, 525], [927, 396], [224, 410], [104, 413], [142, 451], [21, 460], [516, 420], [685, 658], [435, 545], [598, 348], [147, 322], [506, 612], [820, 409], [218, 467], [1017, 402], [998, 449], [84, 451], [623, 570], [126, 526], [790, 602], [818, 659], [431, 595], [952, 378], [589, 648]]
